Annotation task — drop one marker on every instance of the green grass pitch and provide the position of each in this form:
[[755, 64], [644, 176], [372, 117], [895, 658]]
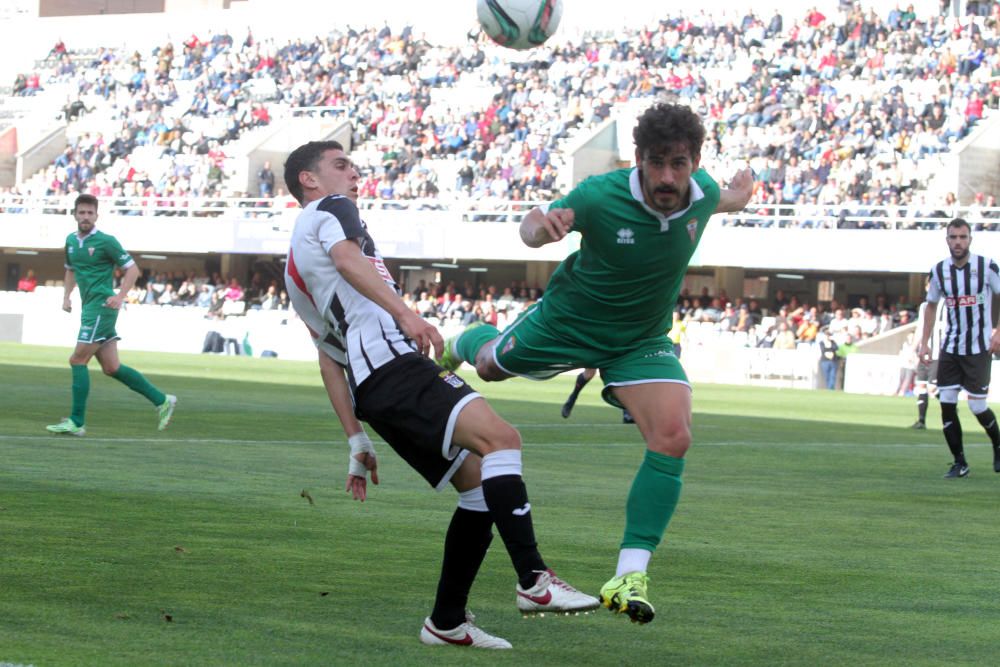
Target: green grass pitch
[[814, 529]]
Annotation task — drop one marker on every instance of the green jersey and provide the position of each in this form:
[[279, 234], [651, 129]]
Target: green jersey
[[622, 284], [93, 260]]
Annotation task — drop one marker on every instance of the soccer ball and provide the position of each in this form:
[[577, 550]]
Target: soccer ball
[[519, 24]]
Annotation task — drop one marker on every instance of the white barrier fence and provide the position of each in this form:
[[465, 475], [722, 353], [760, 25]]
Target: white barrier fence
[[38, 319]]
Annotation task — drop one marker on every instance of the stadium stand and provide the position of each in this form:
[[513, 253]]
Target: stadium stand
[[825, 109], [845, 119]]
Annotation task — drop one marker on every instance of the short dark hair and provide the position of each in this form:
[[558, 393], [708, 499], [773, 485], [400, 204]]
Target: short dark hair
[[663, 125], [959, 222], [85, 199], [304, 158]]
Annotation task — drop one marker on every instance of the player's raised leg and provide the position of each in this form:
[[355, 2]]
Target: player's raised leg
[[466, 345]]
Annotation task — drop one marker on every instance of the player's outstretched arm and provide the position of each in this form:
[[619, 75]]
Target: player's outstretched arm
[[737, 195], [538, 228]]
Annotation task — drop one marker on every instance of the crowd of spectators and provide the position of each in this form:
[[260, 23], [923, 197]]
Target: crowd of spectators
[[827, 109], [451, 305], [849, 109], [785, 323], [446, 305], [218, 296]]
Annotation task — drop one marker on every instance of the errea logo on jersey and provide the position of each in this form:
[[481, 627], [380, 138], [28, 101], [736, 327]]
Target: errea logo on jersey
[[626, 236]]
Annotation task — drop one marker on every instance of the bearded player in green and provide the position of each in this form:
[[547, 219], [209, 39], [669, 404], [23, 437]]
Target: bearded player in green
[[609, 305], [91, 258]]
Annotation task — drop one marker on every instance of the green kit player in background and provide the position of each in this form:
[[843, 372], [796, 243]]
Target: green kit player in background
[[91, 258], [607, 307]]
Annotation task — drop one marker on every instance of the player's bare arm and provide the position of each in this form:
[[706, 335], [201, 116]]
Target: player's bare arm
[[995, 342], [538, 228], [128, 282], [737, 195], [923, 349], [69, 283], [363, 461], [358, 271]]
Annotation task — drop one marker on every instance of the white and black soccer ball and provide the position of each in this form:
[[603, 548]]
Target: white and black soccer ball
[[519, 24]]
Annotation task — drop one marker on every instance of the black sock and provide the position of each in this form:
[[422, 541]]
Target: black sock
[[581, 382], [953, 431], [469, 536], [989, 422], [922, 407], [507, 498]]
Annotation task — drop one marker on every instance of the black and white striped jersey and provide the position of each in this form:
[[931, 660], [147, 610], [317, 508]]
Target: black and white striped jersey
[[967, 294], [327, 303]]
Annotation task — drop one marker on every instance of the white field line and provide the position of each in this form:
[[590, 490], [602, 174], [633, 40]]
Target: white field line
[[529, 443]]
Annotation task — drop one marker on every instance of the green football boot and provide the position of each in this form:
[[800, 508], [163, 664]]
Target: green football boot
[[627, 595]]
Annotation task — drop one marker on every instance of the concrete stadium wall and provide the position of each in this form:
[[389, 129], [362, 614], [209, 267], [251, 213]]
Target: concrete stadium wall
[[290, 134], [38, 318], [40, 154], [979, 161]]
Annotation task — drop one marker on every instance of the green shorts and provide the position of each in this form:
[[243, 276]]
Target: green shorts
[[532, 349], [97, 324]]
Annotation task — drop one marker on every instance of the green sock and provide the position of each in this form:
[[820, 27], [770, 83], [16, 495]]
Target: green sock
[[470, 341], [652, 500], [81, 389], [137, 382]]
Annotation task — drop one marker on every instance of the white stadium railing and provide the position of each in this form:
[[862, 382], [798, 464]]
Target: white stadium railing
[[800, 216]]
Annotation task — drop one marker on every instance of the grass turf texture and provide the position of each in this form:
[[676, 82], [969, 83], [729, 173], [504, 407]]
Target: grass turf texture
[[814, 528]]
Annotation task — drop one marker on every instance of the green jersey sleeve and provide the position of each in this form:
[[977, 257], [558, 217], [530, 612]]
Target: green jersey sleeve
[[578, 199], [118, 254]]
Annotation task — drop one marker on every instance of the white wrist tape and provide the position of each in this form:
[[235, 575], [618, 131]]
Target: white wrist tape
[[360, 444]]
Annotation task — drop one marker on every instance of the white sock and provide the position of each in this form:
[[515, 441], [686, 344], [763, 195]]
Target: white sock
[[473, 500], [501, 462], [632, 560]]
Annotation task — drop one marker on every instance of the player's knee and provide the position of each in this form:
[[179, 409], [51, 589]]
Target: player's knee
[[672, 440], [978, 405], [949, 395], [502, 436], [508, 437], [110, 369], [488, 371]]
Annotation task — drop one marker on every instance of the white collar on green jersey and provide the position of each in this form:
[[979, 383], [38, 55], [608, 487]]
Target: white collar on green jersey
[[81, 239], [696, 194]]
